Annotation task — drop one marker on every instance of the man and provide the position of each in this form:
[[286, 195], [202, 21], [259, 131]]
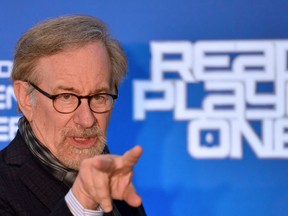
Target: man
[[66, 74]]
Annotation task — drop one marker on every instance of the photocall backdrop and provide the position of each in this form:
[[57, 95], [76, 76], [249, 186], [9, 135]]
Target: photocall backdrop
[[205, 96]]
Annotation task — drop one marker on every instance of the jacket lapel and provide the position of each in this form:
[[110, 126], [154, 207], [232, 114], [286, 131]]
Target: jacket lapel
[[43, 185]]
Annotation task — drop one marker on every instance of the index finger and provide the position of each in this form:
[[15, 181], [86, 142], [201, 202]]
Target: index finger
[[111, 163], [132, 156]]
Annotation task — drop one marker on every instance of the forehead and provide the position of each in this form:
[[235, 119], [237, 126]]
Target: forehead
[[81, 68]]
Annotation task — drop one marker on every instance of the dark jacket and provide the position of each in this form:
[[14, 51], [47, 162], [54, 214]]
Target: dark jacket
[[28, 189]]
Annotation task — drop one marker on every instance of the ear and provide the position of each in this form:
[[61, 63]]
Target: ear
[[23, 98]]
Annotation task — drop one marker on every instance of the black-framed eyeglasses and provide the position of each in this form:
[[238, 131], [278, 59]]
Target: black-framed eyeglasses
[[67, 102]]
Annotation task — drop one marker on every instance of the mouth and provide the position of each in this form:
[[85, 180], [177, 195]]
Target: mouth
[[83, 142]]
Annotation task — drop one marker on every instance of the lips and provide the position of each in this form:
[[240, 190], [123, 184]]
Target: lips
[[81, 138], [83, 142]]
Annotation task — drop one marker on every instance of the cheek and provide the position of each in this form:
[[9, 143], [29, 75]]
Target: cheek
[[48, 125], [103, 120]]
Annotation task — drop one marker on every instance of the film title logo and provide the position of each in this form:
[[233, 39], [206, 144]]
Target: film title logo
[[244, 95], [8, 120]]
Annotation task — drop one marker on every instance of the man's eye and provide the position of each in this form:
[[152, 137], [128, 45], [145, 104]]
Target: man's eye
[[65, 97], [99, 98]]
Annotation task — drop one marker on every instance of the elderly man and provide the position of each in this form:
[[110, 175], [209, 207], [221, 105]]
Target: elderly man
[[66, 73]]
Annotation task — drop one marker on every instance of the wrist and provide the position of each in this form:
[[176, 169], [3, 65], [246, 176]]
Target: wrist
[[84, 200]]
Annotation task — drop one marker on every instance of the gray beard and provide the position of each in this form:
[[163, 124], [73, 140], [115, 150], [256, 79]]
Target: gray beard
[[72, 157]]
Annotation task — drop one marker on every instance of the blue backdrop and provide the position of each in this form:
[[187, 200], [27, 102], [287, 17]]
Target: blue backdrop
[[205, 97]]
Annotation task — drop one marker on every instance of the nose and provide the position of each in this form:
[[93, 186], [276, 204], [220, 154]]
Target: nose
[[83, 115]]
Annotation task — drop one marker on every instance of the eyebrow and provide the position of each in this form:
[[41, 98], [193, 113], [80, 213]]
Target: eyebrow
[[75, 91]]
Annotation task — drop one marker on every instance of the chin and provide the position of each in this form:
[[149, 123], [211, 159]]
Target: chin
[[72, 157]]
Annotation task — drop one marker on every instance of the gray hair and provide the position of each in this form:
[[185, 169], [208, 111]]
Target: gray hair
[[60, 34]]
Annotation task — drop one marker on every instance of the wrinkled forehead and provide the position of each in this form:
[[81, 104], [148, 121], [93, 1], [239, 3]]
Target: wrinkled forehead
[[77, 58], [82, 66]]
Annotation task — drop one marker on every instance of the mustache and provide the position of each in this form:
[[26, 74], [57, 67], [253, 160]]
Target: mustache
[[94, 131]]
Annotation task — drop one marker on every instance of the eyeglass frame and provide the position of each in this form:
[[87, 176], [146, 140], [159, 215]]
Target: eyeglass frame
[[79, 97]]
